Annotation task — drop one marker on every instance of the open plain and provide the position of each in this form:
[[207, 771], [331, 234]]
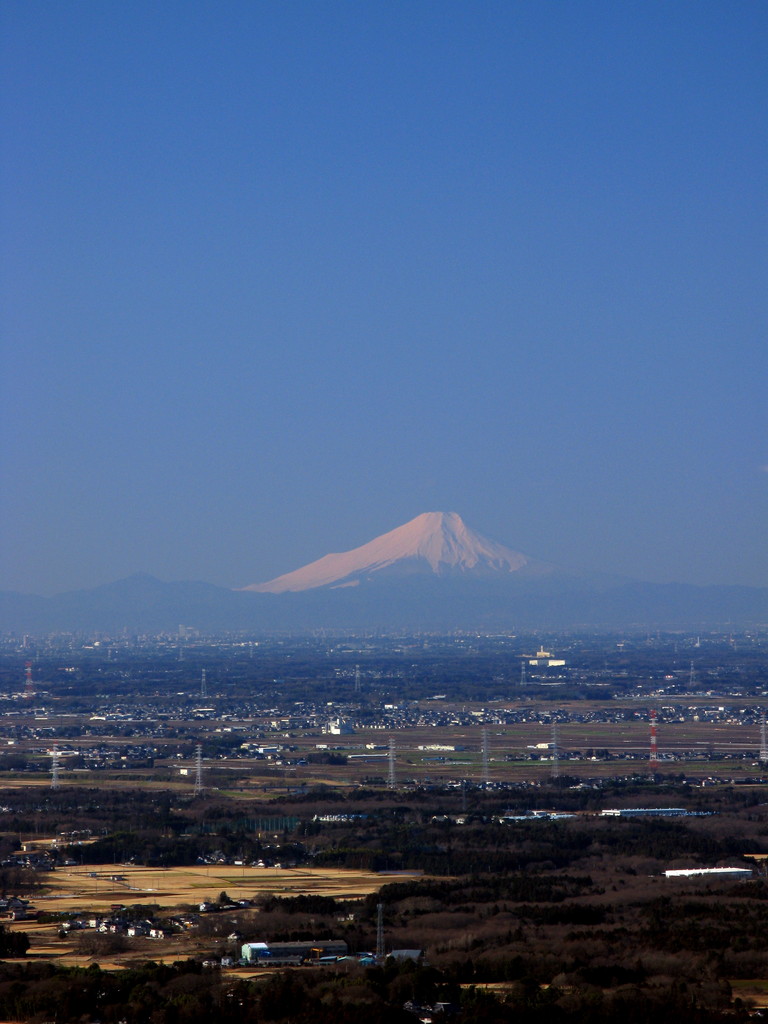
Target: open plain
[[160, 811]]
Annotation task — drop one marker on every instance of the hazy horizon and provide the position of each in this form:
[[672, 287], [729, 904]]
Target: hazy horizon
[[297, 570], [278, 278]]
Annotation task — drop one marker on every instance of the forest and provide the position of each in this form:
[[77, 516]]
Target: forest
[[528, 920]]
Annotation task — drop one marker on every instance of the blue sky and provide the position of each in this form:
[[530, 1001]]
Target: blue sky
[[279, 276]]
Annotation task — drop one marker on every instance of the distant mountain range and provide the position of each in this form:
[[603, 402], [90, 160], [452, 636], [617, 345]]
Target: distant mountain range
[[433, 573]]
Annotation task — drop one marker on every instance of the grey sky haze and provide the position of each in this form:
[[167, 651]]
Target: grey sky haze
[[278, 277]]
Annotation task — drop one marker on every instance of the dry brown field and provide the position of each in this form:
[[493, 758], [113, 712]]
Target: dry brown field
[[96, 889]]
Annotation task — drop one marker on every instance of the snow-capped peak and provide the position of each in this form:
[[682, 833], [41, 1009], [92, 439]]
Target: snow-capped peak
[[434, 542]]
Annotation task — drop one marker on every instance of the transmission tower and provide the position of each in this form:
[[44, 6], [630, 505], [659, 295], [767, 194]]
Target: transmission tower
[[392, 782], [522, 673], [654, 756], [203, 686], [692, 677], [198, 769], [555, 752], [55, 768], [358, 687], [380, 933], [29, 686], [486, 758], [763, 741]]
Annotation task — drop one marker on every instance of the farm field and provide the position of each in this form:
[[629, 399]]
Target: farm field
[[148, 794], [97, 888]]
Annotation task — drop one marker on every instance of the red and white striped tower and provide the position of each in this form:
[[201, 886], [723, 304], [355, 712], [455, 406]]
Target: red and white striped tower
[[654, 758], [29, 686]]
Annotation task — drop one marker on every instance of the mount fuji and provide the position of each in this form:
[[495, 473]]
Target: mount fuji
[[433, 573], [434, 543]]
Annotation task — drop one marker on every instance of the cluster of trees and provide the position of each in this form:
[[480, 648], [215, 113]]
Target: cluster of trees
[[154, 848], [554, 947], [13, 944], [381, 843], [569, 920], [386, 831], [185, 993]]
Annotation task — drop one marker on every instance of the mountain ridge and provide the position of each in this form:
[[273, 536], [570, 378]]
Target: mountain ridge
[[433, 574]]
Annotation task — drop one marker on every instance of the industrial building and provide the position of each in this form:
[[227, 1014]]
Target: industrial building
[[645, 812], [709, 872], [289, 953]]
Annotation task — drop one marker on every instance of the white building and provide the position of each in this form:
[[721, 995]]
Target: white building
[[709, 872], [544, 659]]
